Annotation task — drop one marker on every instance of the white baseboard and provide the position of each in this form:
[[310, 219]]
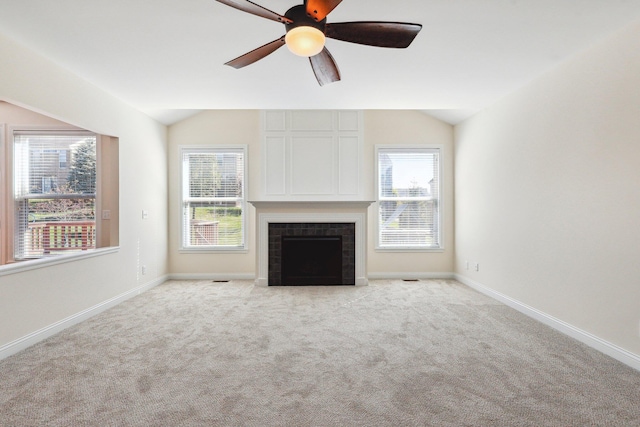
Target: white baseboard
[[612, 350], [44, 333], [211, 276], [364, 281], [409, 276]]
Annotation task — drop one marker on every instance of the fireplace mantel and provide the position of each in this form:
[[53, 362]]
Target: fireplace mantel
[[306, 204], [317, 211]]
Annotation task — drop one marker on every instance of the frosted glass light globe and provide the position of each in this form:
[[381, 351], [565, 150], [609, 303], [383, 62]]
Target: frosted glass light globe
[[305, 41]]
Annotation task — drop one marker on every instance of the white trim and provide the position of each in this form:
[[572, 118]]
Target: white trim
[[307, 204], [213, 250], [409, 276], [211, 276], [4, 189], [209, 148], [441, 197], [17, 130], [32, 264], [33, 338], [409, 249], [612, 350], [264, 219]]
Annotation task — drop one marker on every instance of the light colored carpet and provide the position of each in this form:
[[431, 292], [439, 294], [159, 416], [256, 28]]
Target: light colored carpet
[[427, 353]]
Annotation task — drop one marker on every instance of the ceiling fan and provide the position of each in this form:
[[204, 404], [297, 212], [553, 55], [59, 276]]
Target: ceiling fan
[[306, 29]]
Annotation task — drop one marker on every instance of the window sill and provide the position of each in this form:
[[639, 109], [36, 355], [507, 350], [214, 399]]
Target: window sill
[[210, 250], [34, 264], [410, 249]]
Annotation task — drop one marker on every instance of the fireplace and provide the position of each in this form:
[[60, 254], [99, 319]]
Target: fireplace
[[347, 219], [311, 254]]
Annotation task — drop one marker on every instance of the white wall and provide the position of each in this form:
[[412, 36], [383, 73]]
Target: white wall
[[34, 300], [243, 127], [547, 198]]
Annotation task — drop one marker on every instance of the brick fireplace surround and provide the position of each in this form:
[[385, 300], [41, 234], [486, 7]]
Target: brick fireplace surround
[[344, 231]]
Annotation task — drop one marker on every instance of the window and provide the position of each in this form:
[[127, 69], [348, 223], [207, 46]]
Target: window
[[408, 190], [59, 191], [213, 198], [54, 203]]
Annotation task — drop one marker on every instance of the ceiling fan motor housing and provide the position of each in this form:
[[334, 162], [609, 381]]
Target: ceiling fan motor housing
[[298, 14]]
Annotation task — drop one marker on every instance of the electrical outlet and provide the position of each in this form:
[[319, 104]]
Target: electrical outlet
[[106, 214], [145, 214], [466, 265], [477, 266], [144, 270]]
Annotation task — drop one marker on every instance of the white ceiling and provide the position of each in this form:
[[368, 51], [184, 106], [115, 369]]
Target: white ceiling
[[166, 57]]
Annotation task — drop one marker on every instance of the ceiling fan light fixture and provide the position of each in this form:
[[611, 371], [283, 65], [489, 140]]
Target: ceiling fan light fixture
[[305, 40], [306, 28]]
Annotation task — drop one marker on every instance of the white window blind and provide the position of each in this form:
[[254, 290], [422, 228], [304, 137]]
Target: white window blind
[[408, 198], [213, 198], [54, 186]]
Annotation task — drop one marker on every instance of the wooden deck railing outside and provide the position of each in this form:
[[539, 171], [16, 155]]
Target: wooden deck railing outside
[[47, 237]]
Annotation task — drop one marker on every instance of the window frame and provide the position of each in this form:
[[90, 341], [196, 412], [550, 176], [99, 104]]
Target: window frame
[[12, 232], [4, 189], [437, 148], [213, 148]]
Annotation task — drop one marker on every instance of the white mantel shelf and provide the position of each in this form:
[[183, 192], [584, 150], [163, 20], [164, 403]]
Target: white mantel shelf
[[302, 204]]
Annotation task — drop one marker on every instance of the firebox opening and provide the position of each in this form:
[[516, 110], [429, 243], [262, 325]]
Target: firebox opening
[[305, 240], [311, 260]]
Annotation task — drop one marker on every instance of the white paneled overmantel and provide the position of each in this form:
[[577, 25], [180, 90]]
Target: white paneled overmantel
[[312, 155]]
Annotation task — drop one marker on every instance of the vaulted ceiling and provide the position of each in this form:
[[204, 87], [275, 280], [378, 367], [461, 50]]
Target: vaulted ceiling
[[166, 57]]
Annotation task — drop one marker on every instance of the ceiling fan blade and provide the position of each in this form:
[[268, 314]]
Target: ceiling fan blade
[[319, 9], [324, 67], [380, 34], [255, 9], [256, 54]]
